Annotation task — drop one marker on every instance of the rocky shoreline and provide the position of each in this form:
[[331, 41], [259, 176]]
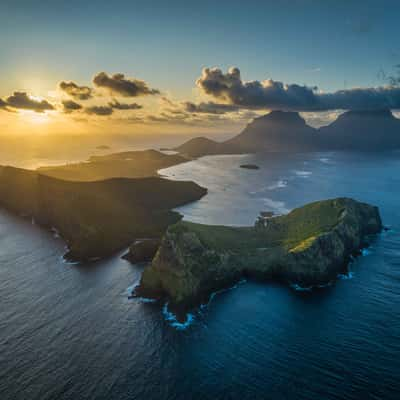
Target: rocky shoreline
[[309, 246]]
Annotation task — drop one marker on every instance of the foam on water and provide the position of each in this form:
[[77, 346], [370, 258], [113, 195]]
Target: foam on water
[[303, 174], [171, 318], [345, 276], [282, 183]]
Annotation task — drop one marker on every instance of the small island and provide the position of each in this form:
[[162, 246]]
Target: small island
[[249, 166], [309, 246]]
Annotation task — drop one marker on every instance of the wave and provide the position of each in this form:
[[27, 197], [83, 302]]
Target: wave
[[171, 318], [303, 174], [298, 288], [347, 275], [278, 185], [325, 160]]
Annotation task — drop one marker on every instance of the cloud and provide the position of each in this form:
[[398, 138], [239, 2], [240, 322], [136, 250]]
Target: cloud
[[70, 106], [76, 91], [99, 110], [270, 94], [209, 107], [361, 99], [229, 87], [21, 100], [124, 106], [126, 87], [3, 105]]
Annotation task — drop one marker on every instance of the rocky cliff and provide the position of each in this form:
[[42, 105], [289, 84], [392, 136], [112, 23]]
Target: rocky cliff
[[96, 219], [308, 246]]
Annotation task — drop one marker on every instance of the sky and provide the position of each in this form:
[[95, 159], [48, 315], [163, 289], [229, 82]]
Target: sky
[[191, 66]]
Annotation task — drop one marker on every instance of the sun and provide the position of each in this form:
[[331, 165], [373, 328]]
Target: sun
[[34, 117]]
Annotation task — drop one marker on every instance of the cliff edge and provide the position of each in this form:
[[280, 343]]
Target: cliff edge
[[308, 246]]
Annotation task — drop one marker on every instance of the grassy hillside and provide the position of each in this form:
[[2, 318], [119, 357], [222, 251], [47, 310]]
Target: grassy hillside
[[288, 230], [129, 164], [96, 218]]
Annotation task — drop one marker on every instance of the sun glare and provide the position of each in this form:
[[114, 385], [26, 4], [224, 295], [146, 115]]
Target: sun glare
[[34, 117]]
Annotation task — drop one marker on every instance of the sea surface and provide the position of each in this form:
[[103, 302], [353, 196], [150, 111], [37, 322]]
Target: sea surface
[[69, 331]]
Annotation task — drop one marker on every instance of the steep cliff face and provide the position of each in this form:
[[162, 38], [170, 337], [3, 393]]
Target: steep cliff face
[[97, 218], [309, 246]]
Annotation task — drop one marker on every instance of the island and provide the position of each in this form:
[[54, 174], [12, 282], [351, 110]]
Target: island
[[99, 218], [126, 164], [249, 166], [308, 246]]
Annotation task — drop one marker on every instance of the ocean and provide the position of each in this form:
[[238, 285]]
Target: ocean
[[69, 331]]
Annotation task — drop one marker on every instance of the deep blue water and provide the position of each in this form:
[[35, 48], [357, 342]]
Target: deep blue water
[[70, 332]]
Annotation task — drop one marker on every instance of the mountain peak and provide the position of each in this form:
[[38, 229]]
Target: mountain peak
[[281, 116], [384, 112]]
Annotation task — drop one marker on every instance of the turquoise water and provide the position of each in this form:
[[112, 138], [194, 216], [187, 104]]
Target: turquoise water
[[70, 332]]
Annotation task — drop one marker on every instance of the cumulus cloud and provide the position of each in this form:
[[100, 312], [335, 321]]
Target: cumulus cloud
[[124, 106], [361, 99], [3, 105], [21, 100], [99, 110], [269, 94], [76, 91], [231, 88], [70, 106], [126, 87], [209, 107]]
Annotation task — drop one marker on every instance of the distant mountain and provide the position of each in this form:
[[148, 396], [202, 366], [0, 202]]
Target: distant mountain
[[276, 131], [281, 131], [201, 146], [362, 131], [127, 164]]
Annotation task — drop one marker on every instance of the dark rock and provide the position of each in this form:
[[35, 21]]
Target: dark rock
[[142, 250], [249, 166]]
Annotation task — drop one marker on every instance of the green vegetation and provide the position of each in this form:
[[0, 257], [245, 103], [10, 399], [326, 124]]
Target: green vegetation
[[287, 230], [96, 218], [309, 246], [129, 164]]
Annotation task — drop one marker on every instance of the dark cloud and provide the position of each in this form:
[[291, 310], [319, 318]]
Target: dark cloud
[[99, 110], [209, 107], [119, 85], [124, 106], [361, 99], [3, 105], [229, 87], [270, 94], [21, 100], [76, 91], [70, 106]]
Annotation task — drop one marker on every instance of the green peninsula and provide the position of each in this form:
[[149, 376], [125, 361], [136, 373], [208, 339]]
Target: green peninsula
[[98, 218], [127, 164], [308, 246]]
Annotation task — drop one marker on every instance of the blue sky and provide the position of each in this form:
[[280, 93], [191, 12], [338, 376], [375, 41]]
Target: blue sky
[[333, 45], [325, 43]]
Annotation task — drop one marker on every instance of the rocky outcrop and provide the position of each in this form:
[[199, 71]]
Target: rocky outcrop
[[142, 250], [249, 166], [308, 246]]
